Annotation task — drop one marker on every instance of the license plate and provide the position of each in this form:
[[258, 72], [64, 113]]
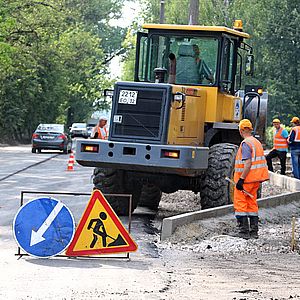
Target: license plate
[[47, 137], [128, 97]]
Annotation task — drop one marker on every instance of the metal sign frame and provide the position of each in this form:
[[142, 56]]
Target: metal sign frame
[[129, 196]]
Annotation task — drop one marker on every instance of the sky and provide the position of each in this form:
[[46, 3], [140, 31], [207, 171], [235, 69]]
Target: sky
[[130, 11]]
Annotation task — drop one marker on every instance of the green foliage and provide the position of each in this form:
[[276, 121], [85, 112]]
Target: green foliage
[[129, 57], [53, 61]]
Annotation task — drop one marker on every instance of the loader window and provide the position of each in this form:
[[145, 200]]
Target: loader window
[[142, 57], [188, 60], [227, 65]]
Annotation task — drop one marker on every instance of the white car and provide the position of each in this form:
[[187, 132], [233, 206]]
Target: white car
[[79, 130]]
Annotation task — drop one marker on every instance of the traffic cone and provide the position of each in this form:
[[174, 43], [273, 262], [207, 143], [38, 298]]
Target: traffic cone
[[71, 162]]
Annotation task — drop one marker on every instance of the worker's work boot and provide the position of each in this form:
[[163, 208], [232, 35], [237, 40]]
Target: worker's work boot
[[243, 228], [253, 227]]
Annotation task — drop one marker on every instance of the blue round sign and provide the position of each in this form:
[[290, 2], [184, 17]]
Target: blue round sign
[[44, 227]]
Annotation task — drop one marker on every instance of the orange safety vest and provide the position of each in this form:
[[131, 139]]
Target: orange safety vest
[[100, 135], [279, 142], [259, 168], [297, 133]]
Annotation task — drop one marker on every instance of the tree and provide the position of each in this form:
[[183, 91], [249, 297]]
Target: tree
[[194, 12], [53, 59]]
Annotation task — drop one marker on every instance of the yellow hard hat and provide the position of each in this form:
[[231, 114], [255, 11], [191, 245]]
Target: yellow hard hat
[[245, 123], [276, 121], [295, 120]]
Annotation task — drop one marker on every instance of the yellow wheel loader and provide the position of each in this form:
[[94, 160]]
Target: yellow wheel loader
[[175, 127]]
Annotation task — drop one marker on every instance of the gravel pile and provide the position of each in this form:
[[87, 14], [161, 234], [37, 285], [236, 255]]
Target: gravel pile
[[271, 190], [186, 201], [210, 236], [177, 203]]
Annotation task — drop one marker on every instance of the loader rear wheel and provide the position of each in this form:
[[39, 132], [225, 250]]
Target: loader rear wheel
[[150, 196], [111, 181], [215, 190]]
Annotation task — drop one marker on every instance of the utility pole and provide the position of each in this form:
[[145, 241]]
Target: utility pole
[[194, 12], [162, 12]]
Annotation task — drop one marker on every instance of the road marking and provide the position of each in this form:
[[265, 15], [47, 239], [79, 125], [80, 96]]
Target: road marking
[[28, 167]]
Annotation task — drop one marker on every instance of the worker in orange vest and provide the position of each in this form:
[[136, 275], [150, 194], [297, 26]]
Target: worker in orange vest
[[250, 170], [294, 143], [100, 130], [280, 146]]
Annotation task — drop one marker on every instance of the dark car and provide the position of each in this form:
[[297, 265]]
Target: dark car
[[51, 137]]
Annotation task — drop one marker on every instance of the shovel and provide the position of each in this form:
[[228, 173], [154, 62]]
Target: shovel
[[231, 181]]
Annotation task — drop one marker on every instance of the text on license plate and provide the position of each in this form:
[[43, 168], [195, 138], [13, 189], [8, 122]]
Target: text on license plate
[[128, 97]]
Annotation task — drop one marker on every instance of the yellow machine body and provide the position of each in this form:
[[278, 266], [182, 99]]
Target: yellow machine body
[[202, 105]]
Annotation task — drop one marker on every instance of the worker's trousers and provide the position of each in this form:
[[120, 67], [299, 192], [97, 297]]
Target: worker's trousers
[[245, 205]]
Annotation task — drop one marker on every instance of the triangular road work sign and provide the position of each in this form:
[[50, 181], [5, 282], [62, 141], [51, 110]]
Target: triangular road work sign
[[100, 231]]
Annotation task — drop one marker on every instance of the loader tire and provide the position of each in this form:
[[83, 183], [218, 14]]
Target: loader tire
[[111, 181], [150, 196], [215, 190]]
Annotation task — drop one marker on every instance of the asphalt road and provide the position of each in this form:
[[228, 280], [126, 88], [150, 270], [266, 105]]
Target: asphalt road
[[153, 272]]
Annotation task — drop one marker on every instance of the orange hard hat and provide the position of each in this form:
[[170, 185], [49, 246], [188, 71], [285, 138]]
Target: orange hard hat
[[245, 123], [276, 121], [295, 120]]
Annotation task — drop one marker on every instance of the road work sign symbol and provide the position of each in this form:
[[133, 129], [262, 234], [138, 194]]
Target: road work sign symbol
[[100, 231], [43, 227]]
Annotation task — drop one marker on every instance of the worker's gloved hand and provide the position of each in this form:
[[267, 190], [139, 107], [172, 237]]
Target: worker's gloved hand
[[239, 184]]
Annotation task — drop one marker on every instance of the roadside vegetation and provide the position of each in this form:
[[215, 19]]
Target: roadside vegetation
[[54, 54], [54, 57]]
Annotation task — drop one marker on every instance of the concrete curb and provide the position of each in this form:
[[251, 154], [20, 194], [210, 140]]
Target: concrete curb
[[286, 182], [170, 224]]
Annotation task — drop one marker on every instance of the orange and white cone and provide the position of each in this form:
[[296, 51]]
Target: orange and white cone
[[71, 162]]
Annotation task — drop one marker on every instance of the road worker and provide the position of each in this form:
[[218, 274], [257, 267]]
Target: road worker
[[100, 130], [294, 143], [280, 146], [250, 170]]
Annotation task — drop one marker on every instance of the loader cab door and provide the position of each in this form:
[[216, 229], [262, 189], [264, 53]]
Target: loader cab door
[[228, 64], [140, 56]]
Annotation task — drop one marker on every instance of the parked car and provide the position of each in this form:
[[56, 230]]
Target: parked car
[[90, 125], [79, 129], [51, 137]]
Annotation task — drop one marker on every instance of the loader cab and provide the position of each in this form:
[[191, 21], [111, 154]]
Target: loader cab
[[205, 56]]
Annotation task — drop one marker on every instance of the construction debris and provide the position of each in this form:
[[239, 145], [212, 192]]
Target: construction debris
[[210, 236]]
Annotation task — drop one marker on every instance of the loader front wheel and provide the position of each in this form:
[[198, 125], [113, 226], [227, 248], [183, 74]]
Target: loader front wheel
[[111, 181], [215, 190], [150, 196]]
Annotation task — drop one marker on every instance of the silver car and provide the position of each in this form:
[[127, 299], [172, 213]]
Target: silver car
[[79, 129]]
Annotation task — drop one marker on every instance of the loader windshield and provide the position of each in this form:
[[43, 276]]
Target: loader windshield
[[186, 60]]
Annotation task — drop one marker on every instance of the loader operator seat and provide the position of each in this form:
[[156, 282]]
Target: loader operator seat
[[186, 66]]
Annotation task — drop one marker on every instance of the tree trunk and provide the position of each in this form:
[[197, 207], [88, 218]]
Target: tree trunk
[[162, 12], [194, 12]]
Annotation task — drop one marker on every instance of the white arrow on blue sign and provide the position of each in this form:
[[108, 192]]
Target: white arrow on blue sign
[[44, 227]]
